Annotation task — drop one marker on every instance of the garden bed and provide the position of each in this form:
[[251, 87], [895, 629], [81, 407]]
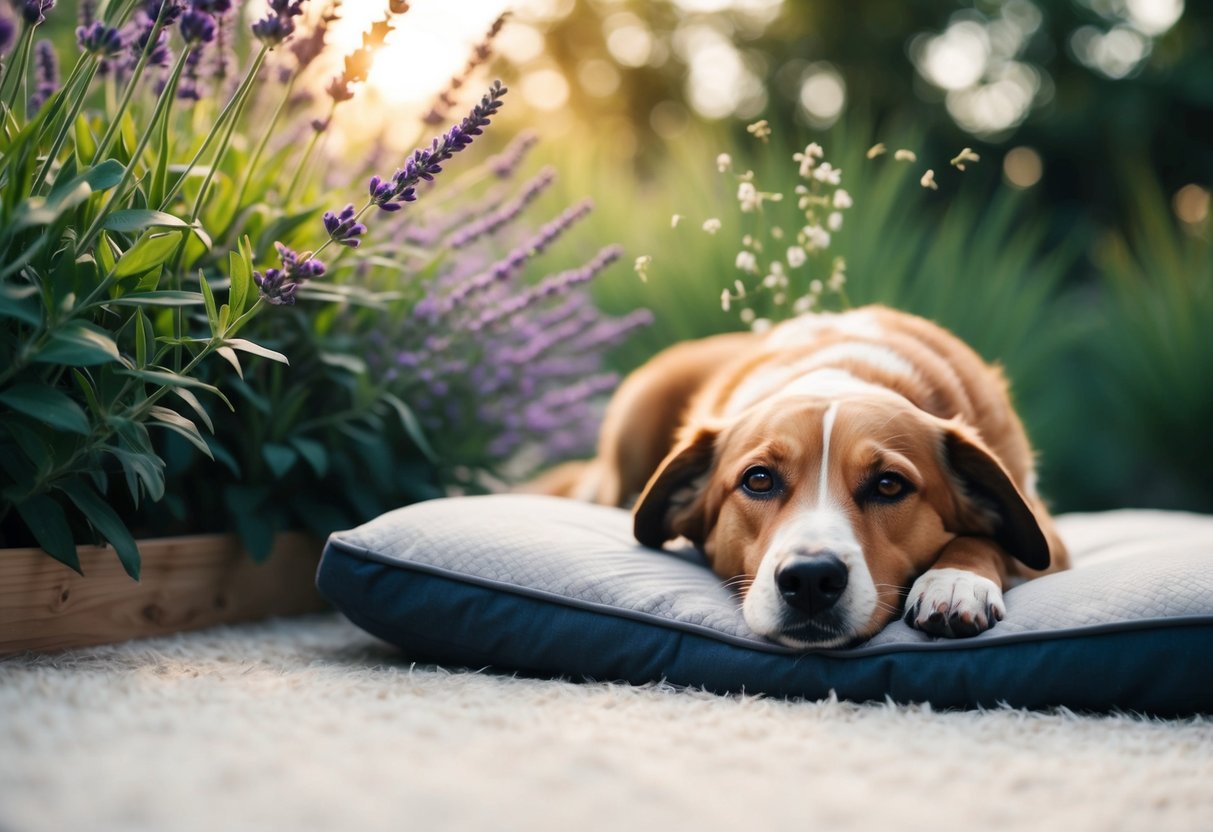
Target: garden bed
[[186, 583]]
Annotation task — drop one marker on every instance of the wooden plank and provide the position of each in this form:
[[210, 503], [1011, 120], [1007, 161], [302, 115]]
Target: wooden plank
[[186, 583]]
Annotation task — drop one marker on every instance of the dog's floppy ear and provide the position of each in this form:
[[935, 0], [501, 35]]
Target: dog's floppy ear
[[988, 503], [672, 503]]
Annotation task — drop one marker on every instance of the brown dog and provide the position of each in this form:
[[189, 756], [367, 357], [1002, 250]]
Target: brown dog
[[837, 465]]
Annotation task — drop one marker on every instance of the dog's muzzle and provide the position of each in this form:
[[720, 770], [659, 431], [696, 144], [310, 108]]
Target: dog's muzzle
[[811, 584]]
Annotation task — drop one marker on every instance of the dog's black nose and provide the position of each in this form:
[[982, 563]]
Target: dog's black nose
[[811, 584]]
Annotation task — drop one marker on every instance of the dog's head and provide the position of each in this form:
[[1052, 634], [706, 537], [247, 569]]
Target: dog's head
[[828, 510]]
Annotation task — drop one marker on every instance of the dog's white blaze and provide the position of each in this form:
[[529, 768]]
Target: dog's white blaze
[[801, 379], [827, 428], [860, 323]]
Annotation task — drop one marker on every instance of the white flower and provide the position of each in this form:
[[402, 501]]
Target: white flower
[[837, 281], [747, 316], [748, 197], [904, 155], [796, 257], [803, 304], [747, 262], [816, 237], [928, 180], [711, 225], [815, 288], [771, 281], [674, 220], [642, 267], [740, 287], [877, 150], [966, 155], [724, 300], [760, 325], [759, 130], [828, 173], [723, 162], [807, 159], [842, 200], [834, 221], [779, 298], [777, 268], [776, 233]]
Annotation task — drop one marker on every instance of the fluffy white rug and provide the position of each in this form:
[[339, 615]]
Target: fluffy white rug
[[309, 724]]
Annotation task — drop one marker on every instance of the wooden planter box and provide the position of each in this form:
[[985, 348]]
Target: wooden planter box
[[186, 583]]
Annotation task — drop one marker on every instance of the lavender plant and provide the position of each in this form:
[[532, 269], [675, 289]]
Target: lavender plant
[[185, 344]]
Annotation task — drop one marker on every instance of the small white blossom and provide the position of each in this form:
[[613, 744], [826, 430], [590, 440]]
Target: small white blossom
[[642, 267], [815, 288], [723, 162], [711, 225], [966, 155], [759, 130], [776, 233], [803, 304], [779, 298], [837, 281], [796, 257], [748, 197], [816, 237], [808, 158], [777, 268], [747, 316], [760, 325], [747, 262], [904, 155], [771, 281], [828, 173], [674, 220], [834, 221], [724, 300], [740, 287], [928, 180], [877, 149], [842, 200]]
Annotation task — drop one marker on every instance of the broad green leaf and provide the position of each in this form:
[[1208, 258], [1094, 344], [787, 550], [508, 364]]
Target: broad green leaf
[[104, 252], [48, 523], [256, 349], [346, 362], [316, 454], [106, 521], [79, 344], [44, 211], [29, 439], [160, 297], [412, 427], [100, 177], [86, 144], [130, 220], [49, 405], [20, 303], [174, 421], [140, 468], [90, 394], [280, 458], [152, 250]]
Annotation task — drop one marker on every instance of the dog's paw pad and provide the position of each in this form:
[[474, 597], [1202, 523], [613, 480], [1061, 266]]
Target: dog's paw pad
[[954, 603]]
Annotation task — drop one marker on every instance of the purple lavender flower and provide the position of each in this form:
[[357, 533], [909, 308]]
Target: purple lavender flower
[[87, 13], [498, 219], [344, 228], [276, 27], [507, 161], [98, 39], [8, 28], [46, 74], [215, 7], [279, 286], [197, 27], [158, 53], [34, 11]]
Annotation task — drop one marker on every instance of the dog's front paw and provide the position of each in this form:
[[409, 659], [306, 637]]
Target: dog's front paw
[[954, 603]]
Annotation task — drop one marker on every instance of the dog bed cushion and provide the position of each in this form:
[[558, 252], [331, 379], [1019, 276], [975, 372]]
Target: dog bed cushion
[[558, 588]]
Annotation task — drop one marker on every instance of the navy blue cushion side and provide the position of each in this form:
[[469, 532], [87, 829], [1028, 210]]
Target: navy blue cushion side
[[1161, 670]]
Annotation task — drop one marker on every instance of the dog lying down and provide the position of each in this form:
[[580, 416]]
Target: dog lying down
[[840, 470]]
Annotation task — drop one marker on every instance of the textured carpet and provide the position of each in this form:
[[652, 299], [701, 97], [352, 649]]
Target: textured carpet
[[309, 724]]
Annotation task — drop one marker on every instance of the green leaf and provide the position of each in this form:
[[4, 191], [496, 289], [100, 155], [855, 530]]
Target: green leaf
[[152, 250], [229, 355], [189, 398], [37, 211], [256, 349], [99, 178], [242, 278], [167, 378], [280, 458], [130, 220], [86, 145], [20, 303], [48, 523], [104, 253], [145, 339], [90, 394], [315, 453], [106, 521], [177, 423], [160, 297], [29, 440], [49, 405], [412, 427], [346, 362], [79, 344], [212, 313]]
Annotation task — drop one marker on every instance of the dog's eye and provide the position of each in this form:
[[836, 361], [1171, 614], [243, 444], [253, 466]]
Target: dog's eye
[[889, 488], [758, 480]]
